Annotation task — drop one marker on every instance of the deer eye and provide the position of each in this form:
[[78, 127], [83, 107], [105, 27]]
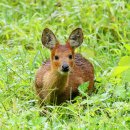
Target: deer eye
[[56, 57], [70, 57]]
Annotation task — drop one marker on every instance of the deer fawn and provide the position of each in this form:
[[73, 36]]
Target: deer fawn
[[57, 80]]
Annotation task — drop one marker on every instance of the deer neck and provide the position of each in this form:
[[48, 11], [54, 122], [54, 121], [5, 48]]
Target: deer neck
[[55, 82], [59, 81]]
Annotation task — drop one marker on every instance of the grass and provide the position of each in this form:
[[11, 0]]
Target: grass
[[106, 27]]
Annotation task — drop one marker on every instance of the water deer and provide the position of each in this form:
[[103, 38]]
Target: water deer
[[58, 78]]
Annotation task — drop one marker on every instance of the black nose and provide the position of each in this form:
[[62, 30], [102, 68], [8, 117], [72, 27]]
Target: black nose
[[65, 68]]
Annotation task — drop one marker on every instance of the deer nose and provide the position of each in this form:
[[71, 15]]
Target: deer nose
[[65, 68]]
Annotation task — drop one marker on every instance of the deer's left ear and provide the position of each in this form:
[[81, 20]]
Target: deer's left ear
[[76, 38]]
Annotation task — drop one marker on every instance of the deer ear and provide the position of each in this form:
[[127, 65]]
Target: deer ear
[[48, 38], [76, 38]]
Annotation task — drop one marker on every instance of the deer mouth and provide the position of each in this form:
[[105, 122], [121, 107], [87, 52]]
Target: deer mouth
[[64, 71]]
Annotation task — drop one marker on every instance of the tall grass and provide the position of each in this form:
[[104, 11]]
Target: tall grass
[[106, 27]]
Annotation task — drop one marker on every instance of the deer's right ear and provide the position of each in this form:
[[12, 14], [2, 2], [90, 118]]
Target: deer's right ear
[[76, 38], [48, 38]]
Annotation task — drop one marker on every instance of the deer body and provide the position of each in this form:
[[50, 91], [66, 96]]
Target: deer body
[[57, 80]]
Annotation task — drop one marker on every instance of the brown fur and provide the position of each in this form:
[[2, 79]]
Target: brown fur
[[51, 83], [54, 87]]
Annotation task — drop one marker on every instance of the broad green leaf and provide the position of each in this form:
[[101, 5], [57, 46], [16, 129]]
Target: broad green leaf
[[83, 88], [126, 75], [119, 69], [127, 46], [123, 65], [124, 61]]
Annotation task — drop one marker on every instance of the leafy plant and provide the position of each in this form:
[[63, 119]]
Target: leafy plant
[[123, 68], [83, 88]]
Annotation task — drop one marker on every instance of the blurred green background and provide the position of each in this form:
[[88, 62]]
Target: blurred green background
[[106, 27]]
